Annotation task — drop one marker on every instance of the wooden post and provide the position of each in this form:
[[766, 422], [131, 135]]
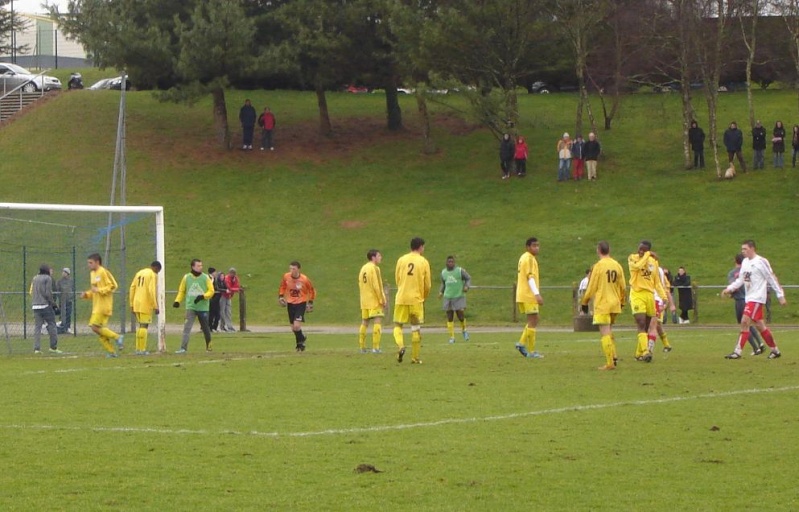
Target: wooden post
[[243, 311], [694, 299], [513, 302]]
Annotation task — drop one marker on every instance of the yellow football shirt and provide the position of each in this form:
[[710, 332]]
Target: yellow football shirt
[[370, 283], [528, 267], [143, 298], [413, 279], [103, 299], [606, 286]]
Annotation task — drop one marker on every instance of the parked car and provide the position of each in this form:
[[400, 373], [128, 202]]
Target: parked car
[[540, 87], [355, 89], [110, 83], [13, 76]]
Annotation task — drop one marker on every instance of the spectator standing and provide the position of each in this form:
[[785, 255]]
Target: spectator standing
[[267, 123], [507, 151], [758, 145], [682, 282], [592, 151], [564, 157], [65, 288], [232, 287], [44, 307], [795, 144], [520, 157], [778, 145], [733, 142], [296, 293], [740, 301], [247, 117], [578, 156], [197, 288], [214, 308], [696, 138]]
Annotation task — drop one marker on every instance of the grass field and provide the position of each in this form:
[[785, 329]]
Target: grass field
[[254, 426], [366, 188]]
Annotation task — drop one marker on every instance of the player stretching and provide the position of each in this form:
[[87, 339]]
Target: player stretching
[[373, 300], [756, 276], [301, 295], [607, 287], [644, 282], [455, 282], [528, 297], [144, 302], [101, 294], [413, 286]]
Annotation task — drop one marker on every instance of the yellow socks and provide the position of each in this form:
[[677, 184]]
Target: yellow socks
[[141, 339], [398, 336], [377, 333], [451, 329], [530, 339], [107, 345], [362, 337], [608, 347], [523, 339], [640, 347], [665, 339], [416, 344]]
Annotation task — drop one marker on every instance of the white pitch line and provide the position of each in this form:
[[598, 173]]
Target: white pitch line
[[405, 426]]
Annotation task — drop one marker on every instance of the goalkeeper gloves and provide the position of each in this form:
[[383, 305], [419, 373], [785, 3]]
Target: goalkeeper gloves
[[198, 299], [176, 304]]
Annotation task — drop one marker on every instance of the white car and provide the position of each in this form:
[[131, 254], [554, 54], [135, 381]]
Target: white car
[[12, 76]]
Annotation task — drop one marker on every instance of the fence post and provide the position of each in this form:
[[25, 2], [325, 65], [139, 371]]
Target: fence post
[[695, 300], [242, 311], [513, 302]]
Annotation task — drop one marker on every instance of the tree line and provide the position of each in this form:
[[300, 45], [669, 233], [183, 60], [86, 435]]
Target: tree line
[[488, 50]]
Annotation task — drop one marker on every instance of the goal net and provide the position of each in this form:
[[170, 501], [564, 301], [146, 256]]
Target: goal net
[[128, 238]]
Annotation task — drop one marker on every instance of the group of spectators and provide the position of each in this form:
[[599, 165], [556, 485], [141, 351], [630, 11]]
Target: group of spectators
[[248, 119], [220, 311], [584, 154], [734, 141]]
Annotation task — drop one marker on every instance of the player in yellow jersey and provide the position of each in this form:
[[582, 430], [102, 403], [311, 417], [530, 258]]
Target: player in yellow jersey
[[528, 297], [644, 282], [101, 293], [413, 287], [607, 287], [144, 302], [373, 300]]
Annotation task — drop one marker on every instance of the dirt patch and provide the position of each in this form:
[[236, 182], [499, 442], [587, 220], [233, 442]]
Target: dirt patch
[[353, 224], [476, 222]]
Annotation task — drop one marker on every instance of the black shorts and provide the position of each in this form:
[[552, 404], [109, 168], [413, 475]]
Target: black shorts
[[296, 312]]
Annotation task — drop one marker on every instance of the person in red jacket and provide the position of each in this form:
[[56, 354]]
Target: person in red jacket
[[520, 157], [267, 123], [233, 286]]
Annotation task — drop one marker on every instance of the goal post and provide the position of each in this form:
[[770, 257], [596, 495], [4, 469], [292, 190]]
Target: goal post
[[66, 217]]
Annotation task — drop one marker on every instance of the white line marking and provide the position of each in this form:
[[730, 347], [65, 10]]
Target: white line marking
[[404, 426]]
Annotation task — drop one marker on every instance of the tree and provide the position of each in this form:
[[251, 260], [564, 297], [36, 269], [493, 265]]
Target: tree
[[748, 14], [8, 25], [214, 45]]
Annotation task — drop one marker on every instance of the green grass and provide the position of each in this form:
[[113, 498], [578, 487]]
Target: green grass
[[325, 202], [255, 426]]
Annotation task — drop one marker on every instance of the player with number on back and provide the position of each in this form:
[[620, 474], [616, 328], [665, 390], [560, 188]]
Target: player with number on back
[[644, 282], [756, 276], [413, 286], [144, 302], [373, 300], [296, 293], [607, 287]]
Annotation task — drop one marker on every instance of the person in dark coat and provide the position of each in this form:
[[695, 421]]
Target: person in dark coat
[[778, 144], [247, 116], [758, 144], [734, 141], [696, 137], [682, 282], [507, 149]]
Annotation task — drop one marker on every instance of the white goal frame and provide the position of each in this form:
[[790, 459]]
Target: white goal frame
[[159, 243]]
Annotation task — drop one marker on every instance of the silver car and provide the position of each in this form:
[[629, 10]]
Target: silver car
[[12, 76]]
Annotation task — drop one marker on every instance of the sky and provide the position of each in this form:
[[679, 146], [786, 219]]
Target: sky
[[35, 6]]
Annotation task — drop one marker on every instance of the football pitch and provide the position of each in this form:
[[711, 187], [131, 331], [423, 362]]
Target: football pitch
[[255, 426]]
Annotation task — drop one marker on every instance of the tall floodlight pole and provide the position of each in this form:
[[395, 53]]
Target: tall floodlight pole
[[118, 181], [13, 36]]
